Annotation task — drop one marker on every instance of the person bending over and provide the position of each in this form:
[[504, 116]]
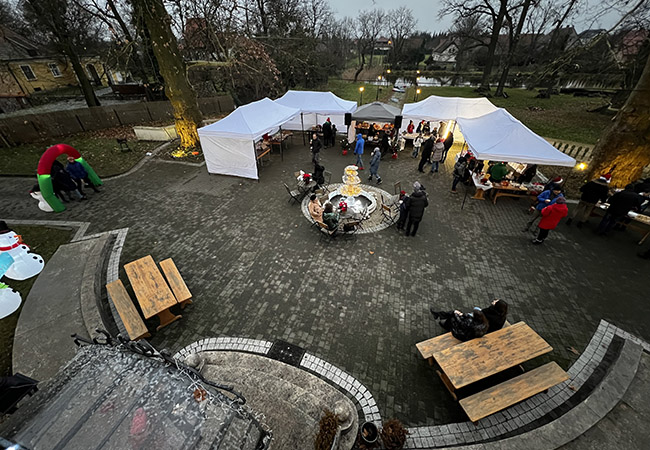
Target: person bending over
[[463, 326]]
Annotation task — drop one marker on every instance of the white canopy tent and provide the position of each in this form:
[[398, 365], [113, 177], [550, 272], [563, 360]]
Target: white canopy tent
[[436, 108], [229, 144], [498, 136], [315, 108]]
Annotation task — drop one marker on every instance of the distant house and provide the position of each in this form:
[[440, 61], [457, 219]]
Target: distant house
[[631, 44], [26, 68], [383, 44], [444, 54]]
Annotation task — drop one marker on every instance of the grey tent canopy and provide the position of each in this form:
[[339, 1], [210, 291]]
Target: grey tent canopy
[[377, 112]]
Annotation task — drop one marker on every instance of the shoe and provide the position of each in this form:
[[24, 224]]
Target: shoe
[[83, 198], [370, 178], [568, 221], [537, 242], [360, 168], [421, 171], [454, 192], [379, 181], [96, 190]]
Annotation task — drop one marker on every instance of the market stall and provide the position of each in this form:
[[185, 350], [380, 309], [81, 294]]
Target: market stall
[[315, 108], [234, 144], [373, 121]]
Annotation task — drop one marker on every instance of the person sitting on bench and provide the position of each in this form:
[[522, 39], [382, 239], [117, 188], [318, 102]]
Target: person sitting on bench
[[463, 326], [496, 314]]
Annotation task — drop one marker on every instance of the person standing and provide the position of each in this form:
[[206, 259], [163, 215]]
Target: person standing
[[498, 172], [315, 145], [333, 136], [375, 157], [403, 210], [358, 150], [593, 192], [426, 153], [551, 216], [436, 155], [620, 204], [528, 174], [385, 145], [544, 199], [417, 143], [416, 204], [459, 172], [327, 133], [448, 141], [79, 175], [410, 128]]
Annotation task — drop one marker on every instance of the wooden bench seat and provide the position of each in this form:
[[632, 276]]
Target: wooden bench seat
[[513, 391], [176, 282], [436, 344], [127, 311]]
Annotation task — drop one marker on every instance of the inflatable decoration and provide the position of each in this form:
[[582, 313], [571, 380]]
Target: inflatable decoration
[[9, 299], [25, 264], [42, 204], [45, 173]]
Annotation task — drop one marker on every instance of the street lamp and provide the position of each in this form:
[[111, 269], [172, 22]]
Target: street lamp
[[361, 89], [417, 92], [418, 72], [388, 71]]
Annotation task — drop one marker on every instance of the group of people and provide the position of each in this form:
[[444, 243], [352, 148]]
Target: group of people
[[424, 127], [325, 214], [434, 151], [475, 324], [68, 181]]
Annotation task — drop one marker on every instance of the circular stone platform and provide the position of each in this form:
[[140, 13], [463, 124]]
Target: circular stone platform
[[372, 224]]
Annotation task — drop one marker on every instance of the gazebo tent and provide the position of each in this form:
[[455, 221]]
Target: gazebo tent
[[499, 136], [315, 108], [376, 112], [436, 108], [229, 144]]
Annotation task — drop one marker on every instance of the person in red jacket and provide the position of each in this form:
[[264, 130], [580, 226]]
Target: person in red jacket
[[551, 216]]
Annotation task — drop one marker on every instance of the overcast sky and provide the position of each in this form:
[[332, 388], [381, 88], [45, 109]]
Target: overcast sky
[[426, 11]]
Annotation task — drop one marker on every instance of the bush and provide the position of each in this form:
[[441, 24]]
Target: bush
[[393, 435]]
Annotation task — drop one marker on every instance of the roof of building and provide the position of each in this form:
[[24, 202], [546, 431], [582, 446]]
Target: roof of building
[[15, 46]]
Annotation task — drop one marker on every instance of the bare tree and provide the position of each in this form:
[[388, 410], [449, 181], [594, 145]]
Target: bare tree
[[401, 24], [512, 44]]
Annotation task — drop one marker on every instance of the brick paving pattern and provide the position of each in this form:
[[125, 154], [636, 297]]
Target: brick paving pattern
[[258, 271]]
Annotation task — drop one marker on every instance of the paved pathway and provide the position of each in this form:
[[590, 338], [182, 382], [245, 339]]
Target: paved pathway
[[258, 270]]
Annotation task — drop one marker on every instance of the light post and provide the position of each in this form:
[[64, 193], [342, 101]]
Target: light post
[[361, 89], [377, 96], [417, 92]]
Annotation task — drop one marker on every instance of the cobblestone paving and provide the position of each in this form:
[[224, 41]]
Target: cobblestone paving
[[258, 270]]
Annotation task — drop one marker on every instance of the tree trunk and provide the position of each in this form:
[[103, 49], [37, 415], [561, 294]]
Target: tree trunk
[[363, 63], [626, 144], [84, 83], [494, 40], [512, 48], [187, 115], [127, 34]]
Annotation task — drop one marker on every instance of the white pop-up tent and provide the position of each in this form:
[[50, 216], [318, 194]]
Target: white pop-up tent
[[315, 107], [498, 136], [436, 108], [229, 144]]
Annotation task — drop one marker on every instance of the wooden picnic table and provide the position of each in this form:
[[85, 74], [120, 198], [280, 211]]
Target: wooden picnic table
[[151, 290], [477, 359], [498, 190]]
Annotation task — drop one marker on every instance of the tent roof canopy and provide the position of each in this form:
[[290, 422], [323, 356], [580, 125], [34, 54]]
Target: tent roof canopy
[[499, 136], [251, 121], [377, 111], [317, 102], [447, 108]]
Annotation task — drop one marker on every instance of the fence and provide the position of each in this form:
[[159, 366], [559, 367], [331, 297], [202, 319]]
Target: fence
[[25, 129], [579, 152]]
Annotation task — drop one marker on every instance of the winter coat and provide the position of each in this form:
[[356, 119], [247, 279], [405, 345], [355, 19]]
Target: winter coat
[[623, 202], [438, 151], [595, 191], [316, 145], [76, 170], [318, 175], [410, 128], [417, 142], [642, 187], [416, 204], [358, 149], [466, 327], [459, 168], [327, 129], [331, 220], [449, 141], [528, 174], [316, 211], [546, 195], [61, 181], [552, 214], [374, 162], [498, 172], [427, 148], [495, 319]]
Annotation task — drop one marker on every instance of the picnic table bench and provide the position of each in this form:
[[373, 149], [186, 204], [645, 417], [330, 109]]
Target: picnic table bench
[[131, 319], [151, 290]]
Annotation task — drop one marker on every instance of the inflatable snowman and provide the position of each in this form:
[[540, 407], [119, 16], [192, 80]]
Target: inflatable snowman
[[9, 299], [26, 264]]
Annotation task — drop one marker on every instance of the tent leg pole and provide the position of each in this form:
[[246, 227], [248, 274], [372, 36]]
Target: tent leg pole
[[281, 150], [302, 127]]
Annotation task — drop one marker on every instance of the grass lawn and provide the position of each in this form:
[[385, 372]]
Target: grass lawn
[[100, 149], [561, 117], [350, 91], [44, 241]]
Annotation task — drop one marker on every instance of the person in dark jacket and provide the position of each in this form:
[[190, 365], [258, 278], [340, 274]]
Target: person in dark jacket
[[318, 175], [642, 186], [315, 145], [358, 150], [528, 174], [416, 204], [544, 199], [79, 175], [403, 210], [63, 182], [375, 156], [327, 133], [448, 141], [593, 192], [463, 326], [330, 217], [620, 204], [496, 314], [427, 148], [459, 172]]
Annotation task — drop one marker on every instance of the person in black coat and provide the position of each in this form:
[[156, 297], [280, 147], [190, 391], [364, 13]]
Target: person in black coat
[[403, 210], [318, 175], [496, 314], [528, 174], [463, 326], [416, 204], [427, 149], [315, 145], [327, 133], [593, 192], [63, 182], [620, 204], [384, 145], [449, 141]]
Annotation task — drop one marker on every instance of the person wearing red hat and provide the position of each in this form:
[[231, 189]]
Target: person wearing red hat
[[551, 216]]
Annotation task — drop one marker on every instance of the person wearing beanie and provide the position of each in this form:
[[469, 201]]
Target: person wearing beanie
[[593, 192], [620, 204], [358, 150], [375, 157], [555, 181], [544, 199], [327, 133], [551, 216], [416, 204]]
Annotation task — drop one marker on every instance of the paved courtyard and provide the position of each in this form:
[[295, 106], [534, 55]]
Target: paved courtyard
[[257, 269]]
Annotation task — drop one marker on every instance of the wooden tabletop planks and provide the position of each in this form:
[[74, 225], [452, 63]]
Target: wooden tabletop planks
[[495, 352], [149, 286], [175, 280]]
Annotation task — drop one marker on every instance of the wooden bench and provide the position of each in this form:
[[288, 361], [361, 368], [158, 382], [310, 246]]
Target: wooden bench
[[125, 308], [435, 344], [176, 282], [513, 391]]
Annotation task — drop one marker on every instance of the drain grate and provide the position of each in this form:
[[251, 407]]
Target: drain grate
[[286, 353]]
